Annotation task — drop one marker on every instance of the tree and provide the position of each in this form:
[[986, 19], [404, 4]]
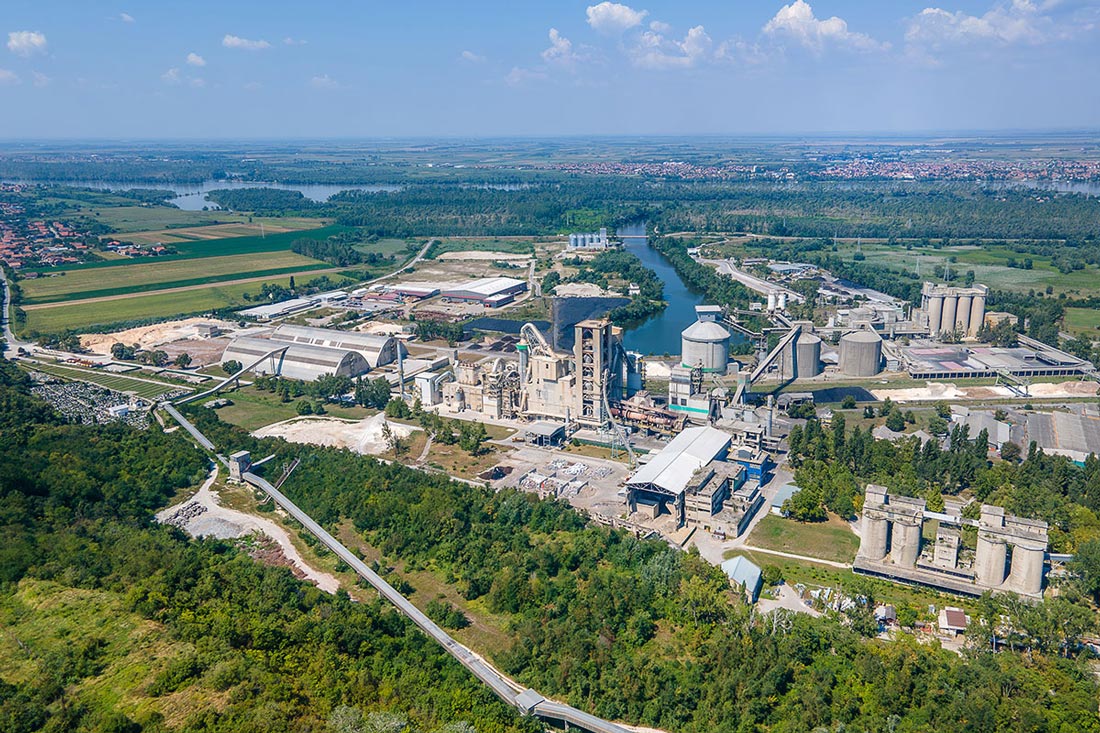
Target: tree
[[231, 367], [849, 403], [373, 393], [472, 436], [895, 421], [1086, 565], [304, 407], [1010, 452], [183, 360], [805, 506]]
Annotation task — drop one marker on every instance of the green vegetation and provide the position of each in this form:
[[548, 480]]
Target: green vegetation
[[1083, 321], [139, 309], [157, 275], [618, 269], [511, 246], [832, 540], [150, 389]]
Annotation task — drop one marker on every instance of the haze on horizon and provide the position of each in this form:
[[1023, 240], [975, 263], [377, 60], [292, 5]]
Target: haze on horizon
[[246, 70]]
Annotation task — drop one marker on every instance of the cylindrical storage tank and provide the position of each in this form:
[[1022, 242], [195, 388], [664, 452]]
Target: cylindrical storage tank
[[935, 313], [875, 535], [860, 354], [989, 561], [977, 314], [771, 301], [905, 543], [782, 302], [950, 306], [962, 315], [705, 344], [807, 356], [1026, 575]]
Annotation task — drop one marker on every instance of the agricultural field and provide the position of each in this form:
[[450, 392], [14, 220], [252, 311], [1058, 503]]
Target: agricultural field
[[512, 245], [259, 226], [829, 540], [120, 383], [387, 247], [156, 275], [84, 315]]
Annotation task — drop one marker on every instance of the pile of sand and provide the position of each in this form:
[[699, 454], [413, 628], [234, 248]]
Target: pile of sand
[[148, 337], [362, 436], [947, 392], [478, 255]]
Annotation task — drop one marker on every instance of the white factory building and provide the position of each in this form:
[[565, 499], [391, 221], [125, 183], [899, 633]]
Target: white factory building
[[491, 292], [299, 361], [377, 350]]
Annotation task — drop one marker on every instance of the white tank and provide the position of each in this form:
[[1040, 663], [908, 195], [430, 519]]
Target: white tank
[[771, 302], [782, 303], [705, 344]]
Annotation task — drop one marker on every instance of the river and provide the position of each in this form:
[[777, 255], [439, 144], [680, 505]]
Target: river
[[192, 196], [659, 334]]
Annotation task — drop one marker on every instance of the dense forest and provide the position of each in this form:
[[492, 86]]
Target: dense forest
[[226, 644], [637, 631]]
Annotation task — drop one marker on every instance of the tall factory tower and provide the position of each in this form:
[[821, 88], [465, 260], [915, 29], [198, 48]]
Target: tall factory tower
[[592, 354]]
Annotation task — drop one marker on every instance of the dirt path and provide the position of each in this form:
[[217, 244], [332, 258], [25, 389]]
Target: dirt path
[[184, 288], [203, 516]]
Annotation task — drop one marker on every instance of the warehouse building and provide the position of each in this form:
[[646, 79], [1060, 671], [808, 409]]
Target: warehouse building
[[663, 481], [492, 292], [298, 361], [1075, 435], [378, 350]]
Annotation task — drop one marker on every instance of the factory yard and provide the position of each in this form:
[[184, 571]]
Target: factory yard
[[148, 337], [946, 391], [362, 436]]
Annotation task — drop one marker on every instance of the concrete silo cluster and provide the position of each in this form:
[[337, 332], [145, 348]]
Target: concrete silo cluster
[[952, 310]]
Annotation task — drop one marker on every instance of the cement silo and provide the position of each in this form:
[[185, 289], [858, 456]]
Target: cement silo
[[705, 343], [807, 356], [860, 354]]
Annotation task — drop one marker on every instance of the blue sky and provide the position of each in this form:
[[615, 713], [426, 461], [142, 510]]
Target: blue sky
[[364, 68]]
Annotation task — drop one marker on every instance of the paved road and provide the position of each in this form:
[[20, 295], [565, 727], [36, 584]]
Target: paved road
[[11, 343]]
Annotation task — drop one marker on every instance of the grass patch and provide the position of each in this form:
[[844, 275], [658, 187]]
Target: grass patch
[[117, 382], [216, 248], [253, 409], [830, 540], [511, 246], [1084, 321], [158, 275], [271, 225]]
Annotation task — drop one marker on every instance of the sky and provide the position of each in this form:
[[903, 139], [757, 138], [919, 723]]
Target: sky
[[368, 68]]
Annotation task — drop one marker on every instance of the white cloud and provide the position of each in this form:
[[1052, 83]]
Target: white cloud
[[172, 76], [659, 27], [197, 82], [611, 18], [26, 43], [8, 77], [655, 51], [40, 79], [324, 81], [560, 52], [518, 76], [288, 41], [195, 60], [126, 18], [231, 41], [797, 22], [471, 57], [1018, 22]]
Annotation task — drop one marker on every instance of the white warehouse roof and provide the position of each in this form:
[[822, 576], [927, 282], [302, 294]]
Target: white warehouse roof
[[673, 467], [299, 362], [485, 287], [376, 349]]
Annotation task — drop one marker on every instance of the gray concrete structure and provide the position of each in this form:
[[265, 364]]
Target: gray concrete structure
[[807, 357], [1010, 553], [948, 310], [861, 354], [706, 343]]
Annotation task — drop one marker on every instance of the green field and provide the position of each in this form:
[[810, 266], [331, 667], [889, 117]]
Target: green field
[[1084, 321], [512, 246], [396, 247], [218, 248], [253, 409], [830, 540], [156, 275], [117, 382], [179, 304]]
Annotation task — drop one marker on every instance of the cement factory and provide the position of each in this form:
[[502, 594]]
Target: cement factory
[[701, 450]]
